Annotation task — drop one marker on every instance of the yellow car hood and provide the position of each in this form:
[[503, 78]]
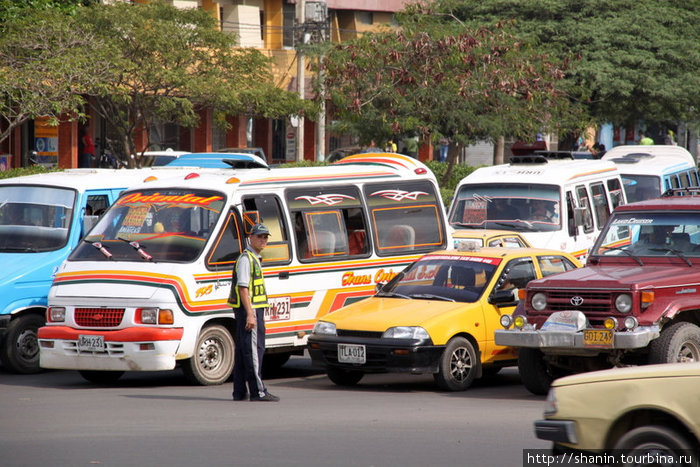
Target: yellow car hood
[[381, 313]]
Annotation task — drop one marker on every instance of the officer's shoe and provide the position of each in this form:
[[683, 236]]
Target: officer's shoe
[[266, 398]]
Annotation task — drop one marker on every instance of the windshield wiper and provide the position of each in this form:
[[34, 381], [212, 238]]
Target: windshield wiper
[[139, 249], [624, 249], [675, 252], [430, 296], [393, 295], [100, 247]]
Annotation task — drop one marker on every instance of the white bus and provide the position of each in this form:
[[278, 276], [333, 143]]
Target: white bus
[[648, 171], [557, 204], [148, 286]]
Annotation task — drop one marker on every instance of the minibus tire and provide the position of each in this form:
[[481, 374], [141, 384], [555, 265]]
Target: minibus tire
[[212, 362], [20, 349], [101, 377]]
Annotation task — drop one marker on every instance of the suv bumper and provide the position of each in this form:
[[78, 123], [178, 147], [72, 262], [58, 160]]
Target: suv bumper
[[639, 338]]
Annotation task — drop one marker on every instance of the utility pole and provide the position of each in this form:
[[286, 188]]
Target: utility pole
[[313, 26]]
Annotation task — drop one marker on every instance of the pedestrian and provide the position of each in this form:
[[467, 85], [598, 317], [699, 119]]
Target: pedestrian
[[391, 146], [668, 139], [411, 144], [249, 301], [646, 140], [444, 147], [86, 149]]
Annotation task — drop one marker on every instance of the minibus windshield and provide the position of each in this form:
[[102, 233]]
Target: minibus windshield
[[170, 225], [527, 208], [34, 218]]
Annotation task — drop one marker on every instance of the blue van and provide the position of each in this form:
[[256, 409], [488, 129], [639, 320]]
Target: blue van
[[42, 218]]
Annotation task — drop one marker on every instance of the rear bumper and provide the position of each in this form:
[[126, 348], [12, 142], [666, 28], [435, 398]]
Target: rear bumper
[[131, 349]]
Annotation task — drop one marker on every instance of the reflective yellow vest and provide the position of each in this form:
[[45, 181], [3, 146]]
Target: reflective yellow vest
[[256, 289]]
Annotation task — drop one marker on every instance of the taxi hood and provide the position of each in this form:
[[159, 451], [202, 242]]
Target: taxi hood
[[381, 313]]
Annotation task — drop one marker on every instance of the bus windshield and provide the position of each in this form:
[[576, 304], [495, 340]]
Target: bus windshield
[[641, 187], [34, 218], [529, 208], [169, 225]]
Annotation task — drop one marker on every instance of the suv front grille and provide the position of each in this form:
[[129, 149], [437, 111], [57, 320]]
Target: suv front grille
[[592, 301]]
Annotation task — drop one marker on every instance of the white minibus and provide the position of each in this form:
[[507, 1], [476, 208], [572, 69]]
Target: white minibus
[[147, 288]]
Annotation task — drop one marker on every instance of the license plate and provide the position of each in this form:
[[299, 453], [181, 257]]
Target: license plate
[[598, 337], [351, 353], [91, 343], [278, 309]]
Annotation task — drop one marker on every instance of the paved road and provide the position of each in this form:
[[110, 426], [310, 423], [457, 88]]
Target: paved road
[[156, 419]]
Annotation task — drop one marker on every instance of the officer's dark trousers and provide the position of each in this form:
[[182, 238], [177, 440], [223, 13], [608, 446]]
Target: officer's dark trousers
[[250, 347]]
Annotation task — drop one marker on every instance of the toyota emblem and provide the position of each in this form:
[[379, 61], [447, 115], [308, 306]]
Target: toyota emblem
[[577, 300]]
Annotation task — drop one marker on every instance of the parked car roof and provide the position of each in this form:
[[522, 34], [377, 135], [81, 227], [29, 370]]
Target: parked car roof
[[220, 161]]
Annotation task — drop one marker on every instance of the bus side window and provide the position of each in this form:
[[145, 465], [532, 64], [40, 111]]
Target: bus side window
[[582, 195], [600, 204], [227, 245], [616, 192], [277, 250]]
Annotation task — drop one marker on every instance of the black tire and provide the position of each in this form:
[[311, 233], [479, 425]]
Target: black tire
[[212, 362], [101, 377], [535, 374], [20, 349], [344, 377], [273, 362], [679, 342], [458, 365], [655, 440]]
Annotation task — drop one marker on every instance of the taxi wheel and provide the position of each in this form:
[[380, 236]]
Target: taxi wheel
[[654, 440], [212, 362], [679, 342], [344, 377], [458, 365], [534, 372]]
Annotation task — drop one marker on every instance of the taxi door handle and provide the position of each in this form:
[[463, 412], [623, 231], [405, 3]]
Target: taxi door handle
[[284, 275]]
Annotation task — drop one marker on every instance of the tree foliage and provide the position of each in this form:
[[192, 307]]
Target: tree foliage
[[637, 58], [169, 63], [46, 65]]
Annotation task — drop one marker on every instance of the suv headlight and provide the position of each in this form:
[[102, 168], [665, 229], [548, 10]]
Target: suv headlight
[[324, 328], [539, 301], [623, 303], [406, 332]]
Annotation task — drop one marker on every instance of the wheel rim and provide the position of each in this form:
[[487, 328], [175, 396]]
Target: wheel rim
[[210, 353], [28, 345], [689, 352], [460, 364]]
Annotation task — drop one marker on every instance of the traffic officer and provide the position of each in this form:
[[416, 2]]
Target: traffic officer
[[249, 301]]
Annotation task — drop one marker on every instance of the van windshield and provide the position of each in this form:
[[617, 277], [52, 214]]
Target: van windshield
[[170, 225], [641, 187], [443, 277], [527, 208], [34, 218]]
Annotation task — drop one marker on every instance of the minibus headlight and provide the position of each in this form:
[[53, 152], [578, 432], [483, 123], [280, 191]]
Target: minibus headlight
[[623, 303], [539, 301], [56, 314], [406, 332], [324, 328], [147, 315]]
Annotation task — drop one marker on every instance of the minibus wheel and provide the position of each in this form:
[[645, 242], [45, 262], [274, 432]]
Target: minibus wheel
[[212, 362]]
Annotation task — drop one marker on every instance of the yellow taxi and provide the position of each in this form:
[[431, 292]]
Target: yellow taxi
[[437, 316], [491, 237]]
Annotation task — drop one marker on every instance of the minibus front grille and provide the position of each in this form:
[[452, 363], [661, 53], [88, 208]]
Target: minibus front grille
[[99, 317], [352, 333]]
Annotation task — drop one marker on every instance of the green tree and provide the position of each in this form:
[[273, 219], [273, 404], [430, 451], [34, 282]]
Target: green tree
[[463, 83], [46, 64], [636, 58], [170, 62]]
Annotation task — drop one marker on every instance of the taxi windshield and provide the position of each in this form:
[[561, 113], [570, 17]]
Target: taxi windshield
[[644, 234], [34, 218], [170, 225], [527, 208], [444, 277]]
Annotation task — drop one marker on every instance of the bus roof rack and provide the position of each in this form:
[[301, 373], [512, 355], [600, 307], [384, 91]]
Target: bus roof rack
[[688, 191], [528, 159], [559, 155]]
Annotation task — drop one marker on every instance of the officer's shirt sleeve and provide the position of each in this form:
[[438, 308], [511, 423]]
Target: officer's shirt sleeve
[[243, 271]]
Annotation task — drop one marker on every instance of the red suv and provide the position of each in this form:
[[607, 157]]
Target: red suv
[[636, 301]]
